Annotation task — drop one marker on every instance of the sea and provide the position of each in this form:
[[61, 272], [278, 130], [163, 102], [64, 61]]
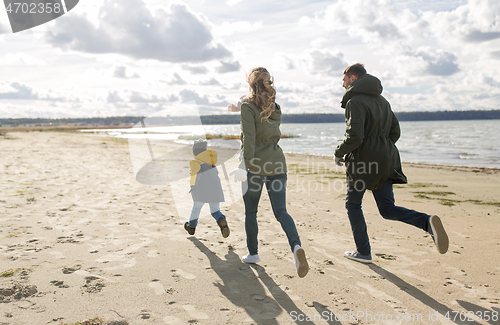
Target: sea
[[470, 143]]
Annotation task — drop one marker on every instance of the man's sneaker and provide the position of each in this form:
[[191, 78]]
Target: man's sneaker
[[251, 258], [189, 229], [299, 256], [358, 257], [224, 229], [438, 234]]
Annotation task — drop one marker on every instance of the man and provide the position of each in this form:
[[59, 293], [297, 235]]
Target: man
[[373, 163]]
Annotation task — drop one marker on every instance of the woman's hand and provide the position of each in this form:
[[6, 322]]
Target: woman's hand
[[237, 107], [233, 108]]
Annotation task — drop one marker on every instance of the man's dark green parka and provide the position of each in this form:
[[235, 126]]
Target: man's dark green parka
[[372, 130]]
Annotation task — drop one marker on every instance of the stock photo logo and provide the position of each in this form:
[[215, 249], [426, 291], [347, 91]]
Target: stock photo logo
[[163, 151], [26, 14]]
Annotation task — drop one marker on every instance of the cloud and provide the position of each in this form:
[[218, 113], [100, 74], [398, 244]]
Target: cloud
[[495, 55], [52, 96], [324, 61], [291, 87], [123, 73], [419, 44], [314, 61], [478, 36], [113, 97], [4, 29], [213, 102], [304, 20], [439, 63], [16, 90], [139, 97], [240, 27], [284, 61], [20, 59], [176, 80], [475, 22], [127, 27], [228, 67], [238, 85], [20, 91], [195, 69], [231, 3], [210, 82], [189, 95], [492, 82], [299, 97], [124, 96], [371, 24], [482, 15]]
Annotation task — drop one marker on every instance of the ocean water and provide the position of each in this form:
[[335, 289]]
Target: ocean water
[[473, 143]]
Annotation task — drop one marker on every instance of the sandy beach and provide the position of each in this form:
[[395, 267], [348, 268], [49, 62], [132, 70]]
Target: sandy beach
[[82, 240]]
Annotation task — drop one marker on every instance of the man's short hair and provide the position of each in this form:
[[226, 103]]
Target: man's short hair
[[356, 69]]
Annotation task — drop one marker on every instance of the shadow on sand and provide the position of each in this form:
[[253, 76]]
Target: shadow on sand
[[440, 311], [245, 286], [491, 316]]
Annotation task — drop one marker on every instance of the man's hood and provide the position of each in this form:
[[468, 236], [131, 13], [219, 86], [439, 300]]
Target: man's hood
[[367, 84]]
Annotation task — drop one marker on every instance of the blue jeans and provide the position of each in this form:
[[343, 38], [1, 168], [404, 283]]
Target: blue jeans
[[276, 189], [384, 197], [195, 212]]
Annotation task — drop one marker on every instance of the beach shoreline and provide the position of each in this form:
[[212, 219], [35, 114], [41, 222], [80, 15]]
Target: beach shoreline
[[81, 239]]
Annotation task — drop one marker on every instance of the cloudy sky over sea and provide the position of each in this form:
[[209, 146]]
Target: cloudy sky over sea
[[138, 57]]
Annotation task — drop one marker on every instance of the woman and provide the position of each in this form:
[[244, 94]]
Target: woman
[[263, 162]]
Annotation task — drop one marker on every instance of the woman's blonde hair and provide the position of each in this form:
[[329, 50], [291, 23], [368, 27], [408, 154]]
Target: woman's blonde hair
[[262, 91]]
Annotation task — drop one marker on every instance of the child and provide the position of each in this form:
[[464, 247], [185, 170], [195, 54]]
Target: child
[[205, 187]]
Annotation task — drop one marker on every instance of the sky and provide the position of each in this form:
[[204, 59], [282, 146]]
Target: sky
[[139, 57]]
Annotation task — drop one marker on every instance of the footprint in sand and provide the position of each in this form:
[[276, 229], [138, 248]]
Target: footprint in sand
[[158, 287], [87, 274], [171, 320], [130, 263], [382, 296], [185, 275], [195, 313], [153, 253], [176, 235], [57, 254], [279, 293]]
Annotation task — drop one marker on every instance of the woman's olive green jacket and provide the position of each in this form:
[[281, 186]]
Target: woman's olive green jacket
[[260, 151]]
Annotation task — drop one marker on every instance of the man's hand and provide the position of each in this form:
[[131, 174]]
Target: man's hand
[[339, 161], [240, 175]]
